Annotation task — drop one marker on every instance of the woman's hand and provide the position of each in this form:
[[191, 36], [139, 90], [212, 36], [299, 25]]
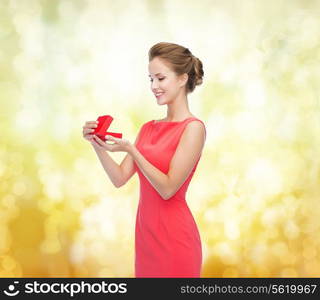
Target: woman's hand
[[119, 145], [88, 130]]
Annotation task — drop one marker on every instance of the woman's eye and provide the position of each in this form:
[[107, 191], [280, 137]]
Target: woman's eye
[[159, 79]]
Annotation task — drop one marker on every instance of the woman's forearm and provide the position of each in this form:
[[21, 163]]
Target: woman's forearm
[[158, 179], [110, 166]]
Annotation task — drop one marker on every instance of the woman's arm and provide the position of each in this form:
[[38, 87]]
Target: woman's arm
[[182, 163], [119, 175], [112, 169]]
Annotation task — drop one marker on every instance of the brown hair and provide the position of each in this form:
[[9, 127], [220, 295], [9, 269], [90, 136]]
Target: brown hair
[[181, 61]]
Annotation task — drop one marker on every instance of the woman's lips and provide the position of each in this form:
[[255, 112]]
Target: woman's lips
[[159, 95]]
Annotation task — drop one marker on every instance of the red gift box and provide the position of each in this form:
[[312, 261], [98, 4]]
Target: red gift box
[[103, 125]]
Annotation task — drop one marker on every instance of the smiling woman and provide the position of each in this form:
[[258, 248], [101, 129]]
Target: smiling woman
[[165, 155]]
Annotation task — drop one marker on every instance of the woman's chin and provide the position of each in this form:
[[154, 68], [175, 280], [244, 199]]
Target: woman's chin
[[162, 101]]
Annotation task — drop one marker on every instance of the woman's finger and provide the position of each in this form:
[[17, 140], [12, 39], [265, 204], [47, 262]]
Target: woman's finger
[[95, 144], [91, 122], [90, 126], [89, 137], [111, 137], [102, 143], [87, 130], [109, 147]]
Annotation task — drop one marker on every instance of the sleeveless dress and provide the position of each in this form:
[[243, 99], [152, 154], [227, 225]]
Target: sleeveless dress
[[167, 240]]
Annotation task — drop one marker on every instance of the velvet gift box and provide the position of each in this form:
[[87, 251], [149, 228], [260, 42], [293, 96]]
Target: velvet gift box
[[103, 125]]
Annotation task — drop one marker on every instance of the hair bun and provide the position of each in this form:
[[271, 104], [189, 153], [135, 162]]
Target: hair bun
[[198, 70]]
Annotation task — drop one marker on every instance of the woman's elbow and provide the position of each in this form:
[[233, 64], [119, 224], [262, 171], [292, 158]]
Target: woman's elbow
[[170, 192], [167, 195], [119, 184]]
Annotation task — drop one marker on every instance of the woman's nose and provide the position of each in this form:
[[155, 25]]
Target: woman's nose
[[154, 84]]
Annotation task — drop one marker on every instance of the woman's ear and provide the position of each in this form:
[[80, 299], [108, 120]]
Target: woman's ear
[[183, 79]]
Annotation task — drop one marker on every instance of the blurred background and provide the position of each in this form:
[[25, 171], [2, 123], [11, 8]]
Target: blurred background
[[256, 192]]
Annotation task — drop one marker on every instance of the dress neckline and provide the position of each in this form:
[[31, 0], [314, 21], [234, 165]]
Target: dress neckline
[[172, 122]]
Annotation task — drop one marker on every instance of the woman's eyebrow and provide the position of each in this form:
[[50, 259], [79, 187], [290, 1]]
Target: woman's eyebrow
[[156, 74]]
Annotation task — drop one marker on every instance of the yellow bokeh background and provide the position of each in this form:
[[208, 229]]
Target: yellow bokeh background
[[256, 192]]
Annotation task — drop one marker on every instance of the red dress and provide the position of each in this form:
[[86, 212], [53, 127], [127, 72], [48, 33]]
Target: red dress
[[167, 240]]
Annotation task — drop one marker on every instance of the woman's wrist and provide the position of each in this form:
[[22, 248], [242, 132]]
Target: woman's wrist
[[97, 148], [131, 149]]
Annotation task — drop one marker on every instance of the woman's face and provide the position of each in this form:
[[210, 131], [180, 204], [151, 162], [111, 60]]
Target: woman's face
[[165, 84]]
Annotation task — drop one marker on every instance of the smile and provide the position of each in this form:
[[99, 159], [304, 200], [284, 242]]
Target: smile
[[158, 95]]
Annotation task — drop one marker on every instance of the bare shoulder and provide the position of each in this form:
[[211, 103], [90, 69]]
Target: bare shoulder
[[195, 131], [196, 126]]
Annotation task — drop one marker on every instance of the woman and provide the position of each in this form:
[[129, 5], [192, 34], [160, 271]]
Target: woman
[[165, 155]]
